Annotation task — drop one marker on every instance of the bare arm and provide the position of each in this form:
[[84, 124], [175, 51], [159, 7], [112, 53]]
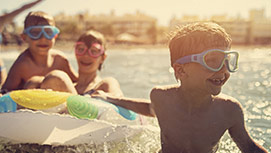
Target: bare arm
[[71, 72], [141, 106], [14, 78], [65, 65], [10, 16], [110, 85], [240, 135]]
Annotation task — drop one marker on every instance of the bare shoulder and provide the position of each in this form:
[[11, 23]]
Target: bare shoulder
[[59, 56], [110, 80], [110, 85], [159, 92], [226, 99], [58, 53], [23, 60], [229, 104]]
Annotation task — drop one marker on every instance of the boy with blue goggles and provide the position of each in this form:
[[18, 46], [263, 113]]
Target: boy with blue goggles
[[35, 32], [39, 52], [213, 59]]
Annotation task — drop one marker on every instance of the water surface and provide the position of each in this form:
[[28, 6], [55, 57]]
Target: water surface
[[139, 70]]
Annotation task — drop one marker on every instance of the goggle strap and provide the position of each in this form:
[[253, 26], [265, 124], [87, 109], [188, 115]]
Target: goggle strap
[[186, 59]]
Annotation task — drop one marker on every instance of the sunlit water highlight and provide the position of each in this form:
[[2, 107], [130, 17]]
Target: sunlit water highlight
[[139, 70]]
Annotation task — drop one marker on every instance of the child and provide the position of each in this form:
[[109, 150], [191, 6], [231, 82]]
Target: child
[[34, 66], [193, 116], [90, 55]]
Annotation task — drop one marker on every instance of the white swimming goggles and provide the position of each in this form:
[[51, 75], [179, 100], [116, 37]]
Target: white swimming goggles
[[213, 59]]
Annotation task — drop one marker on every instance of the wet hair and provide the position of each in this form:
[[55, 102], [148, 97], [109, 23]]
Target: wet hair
[[38, 18], [197, 37], [90, 37]]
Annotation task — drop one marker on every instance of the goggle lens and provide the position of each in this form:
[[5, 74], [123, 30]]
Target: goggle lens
[[49, 32], [96, 49], [232, 59], [214, 59], [80, 49], [35, 32]]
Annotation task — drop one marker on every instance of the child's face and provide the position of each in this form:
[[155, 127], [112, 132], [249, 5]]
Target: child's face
[[208, 70], [89, 59], [40, 38], [205, 80]]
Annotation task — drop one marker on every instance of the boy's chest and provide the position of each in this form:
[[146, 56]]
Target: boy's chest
[[35, 70], [202, 130]]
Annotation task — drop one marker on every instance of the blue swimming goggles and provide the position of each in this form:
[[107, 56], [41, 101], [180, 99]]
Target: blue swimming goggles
[[35, 32], [213, 59]]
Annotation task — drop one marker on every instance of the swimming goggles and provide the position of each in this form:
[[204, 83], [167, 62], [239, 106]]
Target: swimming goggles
[[95, 50], [35, 32], [213, 59]]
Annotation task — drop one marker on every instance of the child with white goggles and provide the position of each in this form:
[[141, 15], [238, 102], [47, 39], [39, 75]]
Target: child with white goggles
[[213, 59], [35, 32]]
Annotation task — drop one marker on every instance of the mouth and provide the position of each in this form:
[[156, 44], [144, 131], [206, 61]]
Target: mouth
[[218, 81], [85, 63], [42, 45]]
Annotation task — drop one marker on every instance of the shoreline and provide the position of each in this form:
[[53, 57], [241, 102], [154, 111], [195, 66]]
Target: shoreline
[[67, 46]]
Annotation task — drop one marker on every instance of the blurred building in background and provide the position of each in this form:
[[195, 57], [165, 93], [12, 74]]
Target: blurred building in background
[[140, 28], [260, 27], [255, 30], [130, 28]]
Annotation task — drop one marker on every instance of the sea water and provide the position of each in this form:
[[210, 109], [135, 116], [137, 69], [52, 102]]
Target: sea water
[[139, 70]]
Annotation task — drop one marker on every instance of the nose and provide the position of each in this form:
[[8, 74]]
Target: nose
[[43, 37], [224, 68], [86, 53]]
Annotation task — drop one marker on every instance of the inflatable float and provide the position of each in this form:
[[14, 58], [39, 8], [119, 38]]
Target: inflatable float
[[79, 106], [89, 120]]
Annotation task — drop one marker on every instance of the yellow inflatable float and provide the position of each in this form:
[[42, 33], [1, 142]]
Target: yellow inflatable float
[[39, 99]]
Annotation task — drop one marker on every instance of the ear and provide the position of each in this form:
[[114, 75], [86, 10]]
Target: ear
[[179, 70]]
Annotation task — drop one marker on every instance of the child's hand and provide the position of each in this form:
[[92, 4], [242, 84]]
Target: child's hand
[[99, 94]]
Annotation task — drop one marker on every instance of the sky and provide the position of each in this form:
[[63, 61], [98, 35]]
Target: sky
[[162, 10]]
